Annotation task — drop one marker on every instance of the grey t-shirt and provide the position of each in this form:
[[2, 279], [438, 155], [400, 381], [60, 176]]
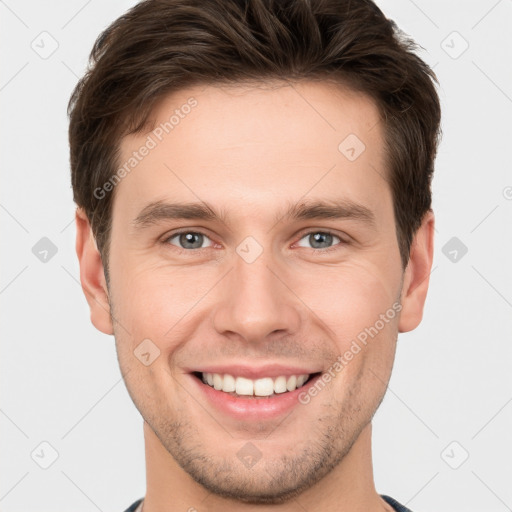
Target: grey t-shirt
[[136, 507]]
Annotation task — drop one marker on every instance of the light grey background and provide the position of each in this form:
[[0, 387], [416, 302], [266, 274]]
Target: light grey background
[[450, 395]]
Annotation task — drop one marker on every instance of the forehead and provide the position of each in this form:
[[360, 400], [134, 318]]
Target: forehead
[[252, 145]]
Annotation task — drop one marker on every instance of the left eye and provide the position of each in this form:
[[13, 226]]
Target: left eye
[[320, 238]]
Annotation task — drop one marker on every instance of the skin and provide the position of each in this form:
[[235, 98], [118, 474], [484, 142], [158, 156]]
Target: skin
[[248, 152]]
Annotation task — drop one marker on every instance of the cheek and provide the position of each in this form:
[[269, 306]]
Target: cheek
[[358, 304], [364, 365], [152, 300], [351, 296]]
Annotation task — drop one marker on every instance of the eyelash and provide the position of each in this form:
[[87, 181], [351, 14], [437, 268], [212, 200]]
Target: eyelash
[[180, 250]]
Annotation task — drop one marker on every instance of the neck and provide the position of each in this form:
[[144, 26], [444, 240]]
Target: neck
[[349, 487]]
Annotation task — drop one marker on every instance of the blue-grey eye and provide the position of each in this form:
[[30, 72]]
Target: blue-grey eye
[[319, 239], [189, 240]]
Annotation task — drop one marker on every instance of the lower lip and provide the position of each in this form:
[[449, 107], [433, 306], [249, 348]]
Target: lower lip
[[253, 409]]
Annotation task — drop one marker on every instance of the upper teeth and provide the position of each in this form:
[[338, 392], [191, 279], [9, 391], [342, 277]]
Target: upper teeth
[[259, 387]]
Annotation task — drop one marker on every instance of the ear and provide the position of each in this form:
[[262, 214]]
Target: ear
[[417, 275], [92, 275]]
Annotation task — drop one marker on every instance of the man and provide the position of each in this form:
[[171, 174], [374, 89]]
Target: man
[[254, 227]]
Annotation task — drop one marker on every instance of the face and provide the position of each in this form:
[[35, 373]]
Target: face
[[256, 241]]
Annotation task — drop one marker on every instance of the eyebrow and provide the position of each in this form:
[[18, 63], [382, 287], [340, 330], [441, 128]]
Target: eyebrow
[[158, 211]]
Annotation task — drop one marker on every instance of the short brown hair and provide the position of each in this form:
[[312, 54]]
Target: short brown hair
[[160, 46]]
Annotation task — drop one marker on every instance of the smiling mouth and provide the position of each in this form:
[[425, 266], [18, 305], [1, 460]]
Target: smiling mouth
[[266, 387]]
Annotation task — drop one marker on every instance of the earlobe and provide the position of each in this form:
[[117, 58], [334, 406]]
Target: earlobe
[[417, 275], [92, 275]]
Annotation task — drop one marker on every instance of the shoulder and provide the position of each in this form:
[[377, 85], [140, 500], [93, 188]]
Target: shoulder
[[397, 506], [133, 507]]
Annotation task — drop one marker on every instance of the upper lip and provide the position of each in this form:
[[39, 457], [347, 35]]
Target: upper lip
[[252, 372]]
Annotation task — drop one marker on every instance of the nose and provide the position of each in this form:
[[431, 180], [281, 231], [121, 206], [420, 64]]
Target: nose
[[257, 302]]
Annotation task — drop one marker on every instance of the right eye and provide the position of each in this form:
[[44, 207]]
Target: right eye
[[188, 240]]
